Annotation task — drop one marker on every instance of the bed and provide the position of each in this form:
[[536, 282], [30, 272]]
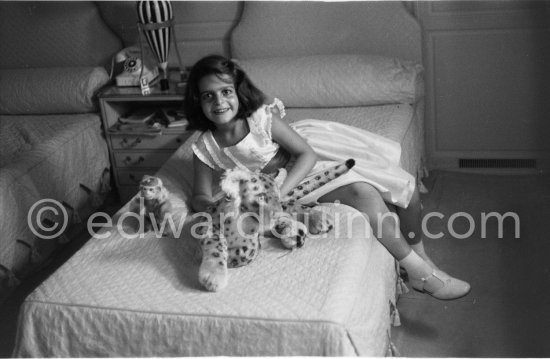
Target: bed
[[125, 294], [51, 144]]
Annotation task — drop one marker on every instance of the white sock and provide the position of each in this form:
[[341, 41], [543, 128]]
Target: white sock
[[419, 249], [416, 266]]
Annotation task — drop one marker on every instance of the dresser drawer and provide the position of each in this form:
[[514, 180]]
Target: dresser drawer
[[132, 176], [162, 142], [141, 159]]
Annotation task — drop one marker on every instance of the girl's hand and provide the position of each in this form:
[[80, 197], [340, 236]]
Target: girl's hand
[[291, 141]]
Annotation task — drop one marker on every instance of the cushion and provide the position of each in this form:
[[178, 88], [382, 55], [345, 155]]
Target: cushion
[[337, 80], [50, 90]]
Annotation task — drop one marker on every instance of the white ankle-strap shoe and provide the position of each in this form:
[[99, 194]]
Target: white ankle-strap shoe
[[449, 289]]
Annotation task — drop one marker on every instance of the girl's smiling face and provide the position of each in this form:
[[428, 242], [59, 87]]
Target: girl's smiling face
[[219, 101]]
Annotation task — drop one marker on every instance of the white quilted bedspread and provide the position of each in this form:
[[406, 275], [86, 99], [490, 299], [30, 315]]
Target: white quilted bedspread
[[45, 156], [140, 297]]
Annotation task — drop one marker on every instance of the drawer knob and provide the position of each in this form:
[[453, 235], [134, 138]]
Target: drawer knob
[[136, 142], [127, 160], [125, 143]]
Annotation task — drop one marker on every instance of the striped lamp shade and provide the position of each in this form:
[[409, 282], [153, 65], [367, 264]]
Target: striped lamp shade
[[155, 17]]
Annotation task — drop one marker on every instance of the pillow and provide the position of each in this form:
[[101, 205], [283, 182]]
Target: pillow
[[336, 80], [50, 90]]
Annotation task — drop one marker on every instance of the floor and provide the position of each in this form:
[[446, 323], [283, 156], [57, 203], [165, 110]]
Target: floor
[[505, 315]]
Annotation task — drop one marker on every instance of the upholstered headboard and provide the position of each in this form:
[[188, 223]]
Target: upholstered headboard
[[38, 34], [273, 29]]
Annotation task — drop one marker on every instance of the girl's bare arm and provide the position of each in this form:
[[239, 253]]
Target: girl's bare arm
[[202, 186], [291, 141]]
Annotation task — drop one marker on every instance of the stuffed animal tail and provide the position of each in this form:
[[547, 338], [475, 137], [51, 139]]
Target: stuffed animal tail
[[327, 175]]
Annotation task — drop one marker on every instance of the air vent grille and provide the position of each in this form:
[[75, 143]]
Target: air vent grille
[[497, 163]]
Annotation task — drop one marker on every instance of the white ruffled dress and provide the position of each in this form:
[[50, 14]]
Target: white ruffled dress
[[376, 158]]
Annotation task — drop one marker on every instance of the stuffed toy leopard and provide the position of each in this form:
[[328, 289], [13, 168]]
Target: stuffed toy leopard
[[253, 208]]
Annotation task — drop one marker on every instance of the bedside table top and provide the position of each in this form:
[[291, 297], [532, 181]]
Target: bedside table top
[[134, 93]]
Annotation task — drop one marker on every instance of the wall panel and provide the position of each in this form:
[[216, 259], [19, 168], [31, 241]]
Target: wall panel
[[487, 80]]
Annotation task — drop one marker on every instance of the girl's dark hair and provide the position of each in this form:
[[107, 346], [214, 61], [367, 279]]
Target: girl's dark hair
[[250, 97]]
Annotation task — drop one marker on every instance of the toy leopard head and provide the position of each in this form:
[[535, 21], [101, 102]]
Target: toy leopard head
[[252, 192]]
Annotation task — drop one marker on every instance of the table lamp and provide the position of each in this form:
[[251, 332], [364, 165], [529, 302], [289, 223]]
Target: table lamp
[[156, 22]]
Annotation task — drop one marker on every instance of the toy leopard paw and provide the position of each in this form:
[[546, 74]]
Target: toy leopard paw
[[319, 222], [292, 233], [213, 275]]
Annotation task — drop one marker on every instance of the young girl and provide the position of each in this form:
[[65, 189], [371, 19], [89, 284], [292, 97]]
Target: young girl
[[240, 129]]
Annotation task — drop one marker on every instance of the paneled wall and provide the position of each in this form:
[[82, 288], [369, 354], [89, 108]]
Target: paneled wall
[[488, 75]]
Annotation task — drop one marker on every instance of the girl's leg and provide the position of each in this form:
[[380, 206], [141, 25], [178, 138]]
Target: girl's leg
[[423, 276], [366, 199], [411, 226]]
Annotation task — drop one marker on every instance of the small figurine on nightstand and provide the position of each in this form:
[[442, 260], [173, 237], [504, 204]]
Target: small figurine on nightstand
[[145, 90], [152, 203]]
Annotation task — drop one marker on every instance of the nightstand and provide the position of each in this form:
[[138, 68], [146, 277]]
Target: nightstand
[[136, 154]]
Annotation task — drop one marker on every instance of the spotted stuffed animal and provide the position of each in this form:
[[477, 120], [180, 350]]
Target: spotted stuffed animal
[[253, 208]]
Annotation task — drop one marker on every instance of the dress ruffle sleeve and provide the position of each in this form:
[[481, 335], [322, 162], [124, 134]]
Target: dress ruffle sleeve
[[261, 121], [200, 150], [279, 105]]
